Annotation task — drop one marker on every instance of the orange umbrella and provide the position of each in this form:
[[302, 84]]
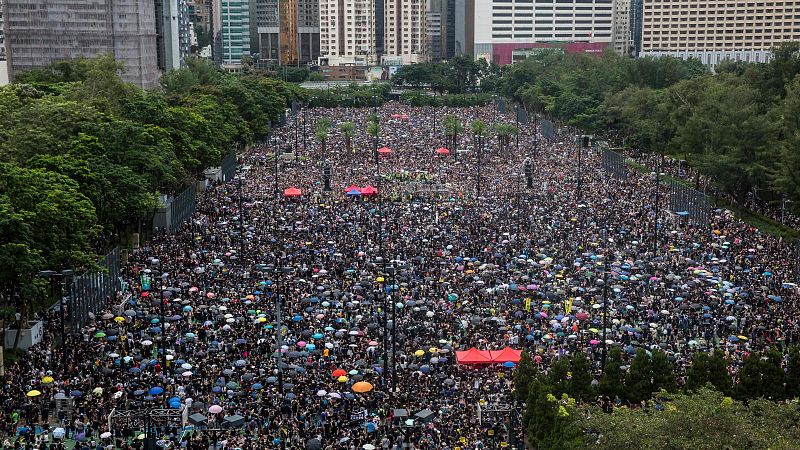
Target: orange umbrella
[[339, 373], [362, 387]]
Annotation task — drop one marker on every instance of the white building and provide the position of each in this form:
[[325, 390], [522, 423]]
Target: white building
[[505, 26], [347, 32], [713, 30], [404, 31], [622, 27]]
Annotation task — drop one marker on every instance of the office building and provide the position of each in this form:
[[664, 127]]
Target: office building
[[233, 33], [441, 29], [713, 30], [200, 13], [173, 36], [40, 32], [464, 27], [635, 24], [505, 31], [403, 32], [622, 27], [286, 31], [347, 32], [3, 62], [433, 31]]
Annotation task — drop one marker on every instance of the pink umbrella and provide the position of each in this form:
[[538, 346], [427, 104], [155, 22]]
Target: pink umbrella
[[582, 316], [301, 344], [193, 289], [594, 342], [215, 409], [373, 343], [543, 315], [210, 295]]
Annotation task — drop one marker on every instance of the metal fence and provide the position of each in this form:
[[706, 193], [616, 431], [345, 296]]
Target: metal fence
[[614, 162], [183, 207], [228, 166], [501, 106], [89, 292], [689, 203], [522, 115], [547, 128]]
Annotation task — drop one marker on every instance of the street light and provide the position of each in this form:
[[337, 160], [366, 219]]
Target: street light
[[56, 279]]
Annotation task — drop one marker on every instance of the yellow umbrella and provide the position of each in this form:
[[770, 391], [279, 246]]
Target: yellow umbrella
[[262, 319], [744, 338], [379, 279], [433, 350], [342, 379], [419, 353], [362, 387], [119, 319], [47, 380], [33, 393]]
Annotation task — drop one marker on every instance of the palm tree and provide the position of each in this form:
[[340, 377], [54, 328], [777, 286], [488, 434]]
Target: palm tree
[[479, 130], [452, 128], [504, 132], [321, 132], [347, 129]]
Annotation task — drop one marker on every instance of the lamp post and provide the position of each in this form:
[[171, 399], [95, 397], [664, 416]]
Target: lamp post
[[55, 279], [163, 293]]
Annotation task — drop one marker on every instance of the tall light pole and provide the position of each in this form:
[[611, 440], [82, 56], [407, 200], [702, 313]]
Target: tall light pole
[[56, 279]]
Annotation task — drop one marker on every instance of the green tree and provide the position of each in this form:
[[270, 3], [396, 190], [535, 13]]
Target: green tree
[[663, 372], [639, 381], [709, 368], [452, 128], [321, 131], [793, 373], [348, 130], [611, 383], [580, 385], [524, 375]]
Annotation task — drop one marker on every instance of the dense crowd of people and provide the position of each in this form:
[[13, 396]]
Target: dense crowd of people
[[285, 310]]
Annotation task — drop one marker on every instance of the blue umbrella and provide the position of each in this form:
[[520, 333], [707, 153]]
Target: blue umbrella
[[257, 386], [156, 390], [508, 364], [187, 308], [134, 370], [216, 389], [317, 336], [138, 392], [76, 393]]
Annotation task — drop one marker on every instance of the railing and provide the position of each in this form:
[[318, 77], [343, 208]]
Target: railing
[[88, 292]]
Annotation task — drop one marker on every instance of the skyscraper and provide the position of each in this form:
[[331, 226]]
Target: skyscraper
[[347, 32], [441, 29], [404, 32], [622, 28], [173, 43], [3, 62], [506, 31], [286, 31], [234, 33], [713, 30], [39, 32]]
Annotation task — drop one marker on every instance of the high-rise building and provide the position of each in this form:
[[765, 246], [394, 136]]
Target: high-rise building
[[505, 31], [3, 62], [463, 27], [635, 24], [441, 29], [714, 30], [347, 32], [173, 37], [403, 32], [622, 27], [40, 32], [286, 31], [234, 33], [433, 31]]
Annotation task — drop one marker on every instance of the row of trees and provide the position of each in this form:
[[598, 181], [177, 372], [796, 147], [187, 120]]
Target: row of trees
[[83, 155], [560, 403], [739, 126]]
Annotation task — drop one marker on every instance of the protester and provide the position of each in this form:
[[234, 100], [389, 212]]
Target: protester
[[513, 267]]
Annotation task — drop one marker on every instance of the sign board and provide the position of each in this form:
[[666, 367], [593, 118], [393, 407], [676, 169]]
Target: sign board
[[30, 335]]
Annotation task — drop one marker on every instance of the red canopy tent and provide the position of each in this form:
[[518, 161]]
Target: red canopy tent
[[442, 151], [384, 150], [292, 192], [505, 355], [473, 356], [352, 187], [368, 190]]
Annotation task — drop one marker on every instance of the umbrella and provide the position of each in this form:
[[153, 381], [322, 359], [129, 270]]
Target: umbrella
[[33, 393], [313, 444], [156, 390], [362, 387], [215, 409], [442, 151]]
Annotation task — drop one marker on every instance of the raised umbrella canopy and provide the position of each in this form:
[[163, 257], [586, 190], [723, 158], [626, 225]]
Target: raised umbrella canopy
[[362, 387], [292, 192], [369, 190], [442, 151], [384, 150]]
